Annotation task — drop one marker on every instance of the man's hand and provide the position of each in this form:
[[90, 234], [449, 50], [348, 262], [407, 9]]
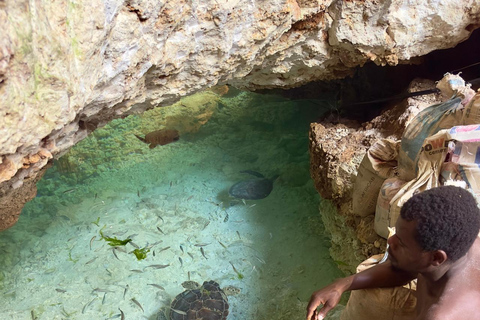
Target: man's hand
[[328, 297]]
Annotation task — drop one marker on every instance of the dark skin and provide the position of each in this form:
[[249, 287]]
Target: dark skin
[[446, 290]]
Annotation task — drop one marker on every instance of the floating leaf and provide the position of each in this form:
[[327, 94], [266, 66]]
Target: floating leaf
[[141, 253]]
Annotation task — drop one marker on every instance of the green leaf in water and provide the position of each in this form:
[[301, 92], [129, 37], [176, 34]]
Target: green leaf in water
[[141, 253], [96, 222], [114, 242], [70, 257]]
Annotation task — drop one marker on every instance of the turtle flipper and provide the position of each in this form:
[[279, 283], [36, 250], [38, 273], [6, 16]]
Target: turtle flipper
[[253, 173], [141, 139]]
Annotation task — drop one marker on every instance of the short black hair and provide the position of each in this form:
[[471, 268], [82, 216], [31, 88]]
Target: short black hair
[[448, 219]]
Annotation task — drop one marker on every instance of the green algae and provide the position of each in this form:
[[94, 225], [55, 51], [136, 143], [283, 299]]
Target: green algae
[[141, 253], [114, 242]]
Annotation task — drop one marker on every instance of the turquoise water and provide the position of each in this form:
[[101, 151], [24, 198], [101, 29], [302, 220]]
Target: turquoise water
[[173, 200]]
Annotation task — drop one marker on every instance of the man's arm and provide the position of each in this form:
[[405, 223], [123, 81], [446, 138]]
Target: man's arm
[[380, 276]]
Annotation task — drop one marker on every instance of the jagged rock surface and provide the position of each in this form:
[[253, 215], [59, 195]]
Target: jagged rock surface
[[68, 67], [336, 151]]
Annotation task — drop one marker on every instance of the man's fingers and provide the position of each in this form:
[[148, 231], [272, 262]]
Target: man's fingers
[[323, 312], [310, 314], [316, 316], [312, 308]]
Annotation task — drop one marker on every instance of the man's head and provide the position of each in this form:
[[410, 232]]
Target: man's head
[[447, 218]]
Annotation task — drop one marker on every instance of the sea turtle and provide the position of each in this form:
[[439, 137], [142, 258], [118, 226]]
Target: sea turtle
[[252, 189], [191, 285], [207, 302]]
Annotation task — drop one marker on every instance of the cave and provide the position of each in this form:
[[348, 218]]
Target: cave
[[117, 217]]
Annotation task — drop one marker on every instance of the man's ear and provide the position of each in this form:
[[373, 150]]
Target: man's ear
[[438, 257]]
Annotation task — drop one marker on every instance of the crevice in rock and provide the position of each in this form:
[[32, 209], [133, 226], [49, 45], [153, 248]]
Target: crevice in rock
[[372, 82]]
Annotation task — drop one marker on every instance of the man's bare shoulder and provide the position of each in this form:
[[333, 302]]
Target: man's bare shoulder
[[463, 306]]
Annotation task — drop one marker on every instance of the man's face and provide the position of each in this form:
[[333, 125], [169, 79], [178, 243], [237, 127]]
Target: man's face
[[404, 251]]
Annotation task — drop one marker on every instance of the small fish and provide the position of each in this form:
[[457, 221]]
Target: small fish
[[188, 275], [203, 253], [69, 190], [179, 311], [260, 259], [244, 202], [226, 218], [101, 290], [138, 193], [153, 244], [238, 233], [33, 315], [181, 262], [158, 228], [190, 197], [160, 137], [115, 254], [137, 303], [136, 270], [125, 292], [236, 271], [160, 217], [156, 286], [157, 266], [134, 244], [166, 248], [109, 272], [222, 244], [60, 290], [91, 241], [171, 182], [121, 249], [206, 225], [87, 305], [201, 244], [181, 248], [103, 300], [96, 195], [123, 314], [191, 255], [154, 253]]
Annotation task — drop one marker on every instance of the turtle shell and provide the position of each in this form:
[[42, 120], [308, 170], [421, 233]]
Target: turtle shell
[[209, 302], [252, 189]]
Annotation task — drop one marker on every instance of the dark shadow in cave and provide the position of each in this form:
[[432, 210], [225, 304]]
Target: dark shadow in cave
[[377, 84]]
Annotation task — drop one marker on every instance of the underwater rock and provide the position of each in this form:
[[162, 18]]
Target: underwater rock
[[252, 189], [160, 137]]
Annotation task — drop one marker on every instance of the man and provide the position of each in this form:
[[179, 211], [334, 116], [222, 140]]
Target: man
[[436, 241]]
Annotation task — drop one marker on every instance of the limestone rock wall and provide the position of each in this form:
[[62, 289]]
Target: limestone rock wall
[[68, 67], [336, 151]]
